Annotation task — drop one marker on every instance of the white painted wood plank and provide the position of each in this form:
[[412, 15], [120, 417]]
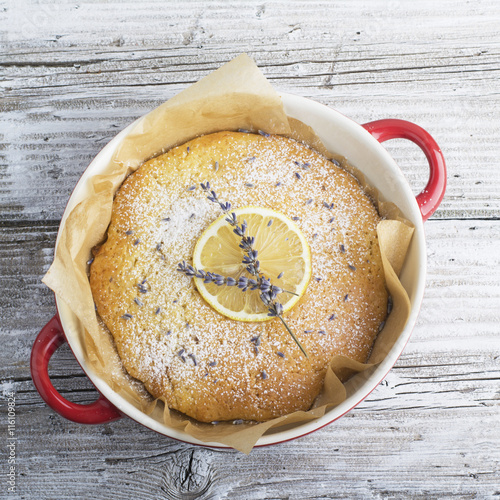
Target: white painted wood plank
[[93, 86]]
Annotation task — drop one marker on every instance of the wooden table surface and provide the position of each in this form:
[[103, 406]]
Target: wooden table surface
[[73, 74]]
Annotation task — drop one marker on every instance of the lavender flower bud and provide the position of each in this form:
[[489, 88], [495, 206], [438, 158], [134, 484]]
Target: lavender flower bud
[[239, 231], [265, 298], [251, 269], [265, 285], [253, 284], [252, 254], [243, 282], [218, 279]]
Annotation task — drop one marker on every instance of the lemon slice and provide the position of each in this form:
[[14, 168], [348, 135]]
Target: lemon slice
[[283, 254]]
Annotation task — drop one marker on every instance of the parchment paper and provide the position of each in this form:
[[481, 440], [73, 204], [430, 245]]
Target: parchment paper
[[235, 96]]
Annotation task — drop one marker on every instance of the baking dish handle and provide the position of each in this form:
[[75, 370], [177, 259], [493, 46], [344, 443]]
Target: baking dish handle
[[50, 338], [430, 197]]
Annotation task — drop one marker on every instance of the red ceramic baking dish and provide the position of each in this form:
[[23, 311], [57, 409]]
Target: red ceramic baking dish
[[361, 145]]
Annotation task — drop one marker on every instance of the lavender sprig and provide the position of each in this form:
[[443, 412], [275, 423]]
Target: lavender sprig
[[269, 292], [212, 196], [252, 265], [243, 283], [206, 276]]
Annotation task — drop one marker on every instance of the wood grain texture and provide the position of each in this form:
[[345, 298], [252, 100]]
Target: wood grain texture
[[74, 74]]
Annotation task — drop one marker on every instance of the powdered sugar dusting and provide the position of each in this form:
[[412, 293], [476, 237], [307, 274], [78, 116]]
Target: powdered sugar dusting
[[206, 364]]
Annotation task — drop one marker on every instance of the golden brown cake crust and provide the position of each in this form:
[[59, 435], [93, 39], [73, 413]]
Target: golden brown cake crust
[[204, 364]]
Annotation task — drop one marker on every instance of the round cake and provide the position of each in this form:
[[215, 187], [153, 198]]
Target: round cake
[[204, 364]]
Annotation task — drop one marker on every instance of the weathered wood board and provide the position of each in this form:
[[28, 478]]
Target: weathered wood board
[[73, 74]]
